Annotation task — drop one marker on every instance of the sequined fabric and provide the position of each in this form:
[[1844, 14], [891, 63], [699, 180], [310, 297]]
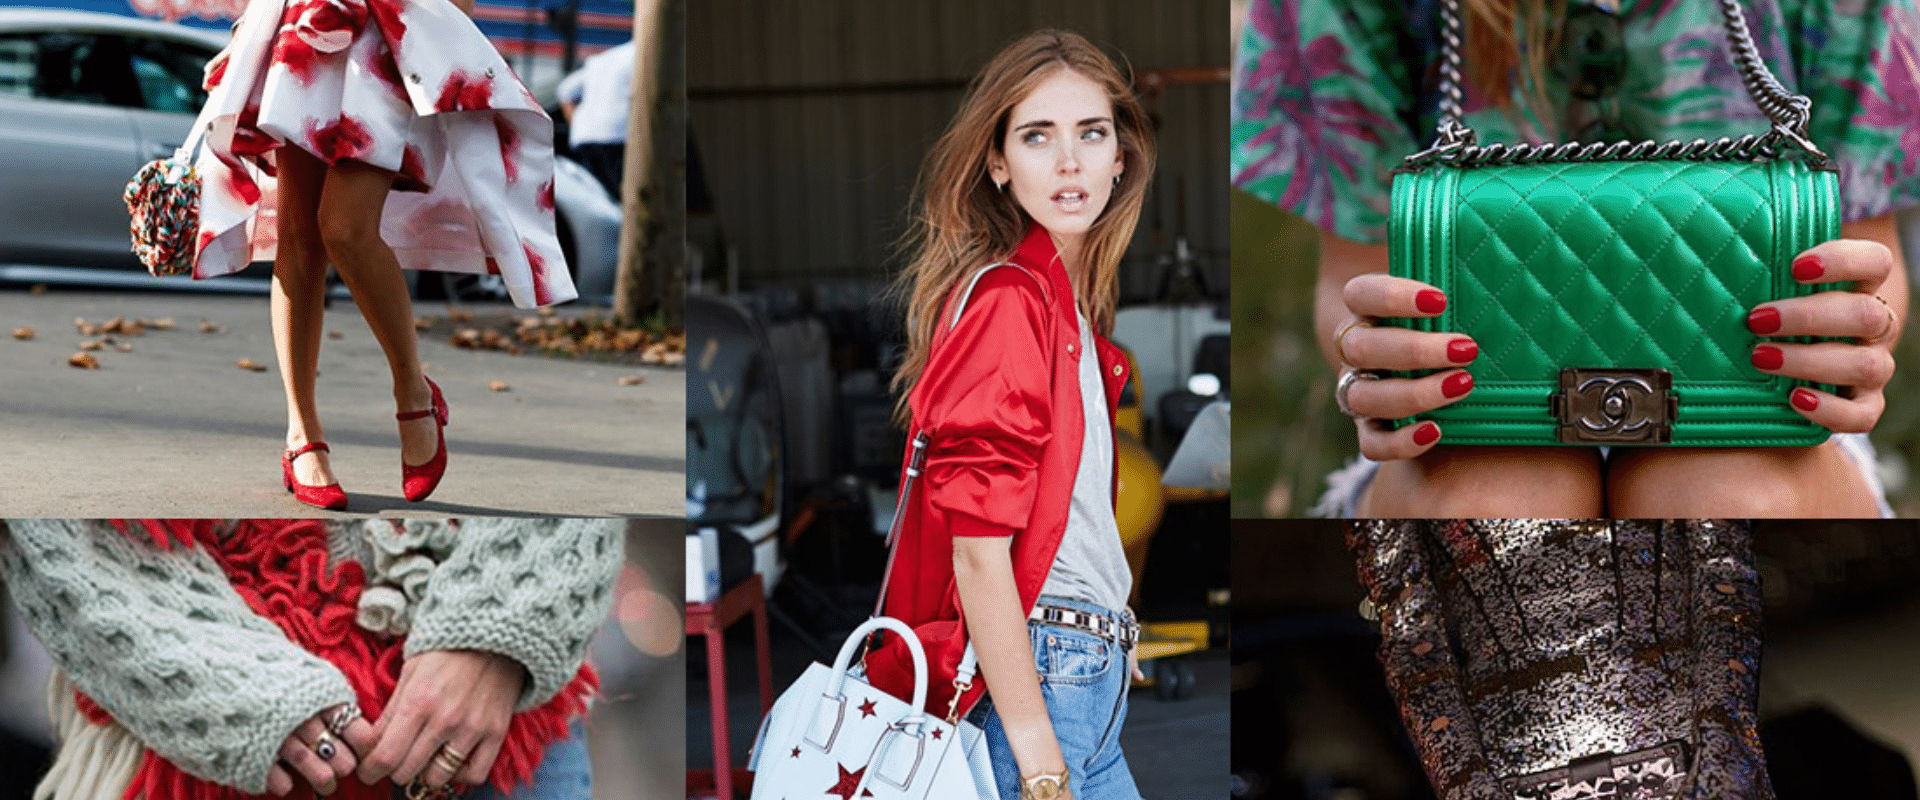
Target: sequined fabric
[[1555, 659]]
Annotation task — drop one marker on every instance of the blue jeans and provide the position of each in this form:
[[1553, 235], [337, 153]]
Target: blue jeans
[[1084, 680], [565, 773]]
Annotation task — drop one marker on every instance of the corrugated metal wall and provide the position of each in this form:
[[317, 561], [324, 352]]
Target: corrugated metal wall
[[811, 120]]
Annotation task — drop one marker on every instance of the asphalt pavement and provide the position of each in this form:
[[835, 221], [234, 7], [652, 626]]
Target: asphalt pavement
[[172, 427]]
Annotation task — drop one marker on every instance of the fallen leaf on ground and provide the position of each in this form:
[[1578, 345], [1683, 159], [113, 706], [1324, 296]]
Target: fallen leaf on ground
[[334, 334], [92, 344], [250, 364], [84, 328], [23, 334], [545, 311], [161, 324], [498, 386], [38, 289], [468, 338], [632, 380], [661, 353], [460, 315], [83, 361], [422, 323], [123, 347], [209, 326], [122, 325]]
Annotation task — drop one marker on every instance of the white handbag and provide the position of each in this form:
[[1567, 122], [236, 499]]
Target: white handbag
[[834, 733]]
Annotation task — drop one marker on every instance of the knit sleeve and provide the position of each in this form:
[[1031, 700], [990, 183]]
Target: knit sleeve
[[159, 639], [531, 590]]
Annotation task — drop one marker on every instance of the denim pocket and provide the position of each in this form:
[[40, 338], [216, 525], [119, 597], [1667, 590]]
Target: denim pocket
[[1069, 656]]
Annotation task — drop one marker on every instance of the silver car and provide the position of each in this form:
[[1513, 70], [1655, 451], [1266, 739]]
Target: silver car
[[86, 99]]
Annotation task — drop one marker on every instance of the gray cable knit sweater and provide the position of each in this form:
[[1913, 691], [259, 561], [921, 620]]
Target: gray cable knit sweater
[[160, 639]]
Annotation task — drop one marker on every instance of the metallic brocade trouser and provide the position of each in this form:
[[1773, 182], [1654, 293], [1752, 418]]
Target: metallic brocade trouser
[[1572, 660]]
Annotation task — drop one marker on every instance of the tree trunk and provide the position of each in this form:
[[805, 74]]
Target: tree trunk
[[653, 268]]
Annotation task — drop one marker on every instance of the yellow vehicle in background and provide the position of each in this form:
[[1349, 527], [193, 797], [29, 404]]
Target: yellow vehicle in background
[[1140, 508]]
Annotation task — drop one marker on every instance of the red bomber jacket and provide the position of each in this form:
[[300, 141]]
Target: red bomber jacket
[[1001, 398]]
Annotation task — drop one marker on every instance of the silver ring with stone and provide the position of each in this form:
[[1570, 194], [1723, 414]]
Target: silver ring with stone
[[1342, 388], [323, 747]]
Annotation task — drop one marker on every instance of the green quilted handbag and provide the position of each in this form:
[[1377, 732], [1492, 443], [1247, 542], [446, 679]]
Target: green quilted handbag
[[1608, 284]]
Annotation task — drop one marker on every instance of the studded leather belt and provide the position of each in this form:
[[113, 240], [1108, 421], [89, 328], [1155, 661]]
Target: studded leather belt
[[1123, 629]]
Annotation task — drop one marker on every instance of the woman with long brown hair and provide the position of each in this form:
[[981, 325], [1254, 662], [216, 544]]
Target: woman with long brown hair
[[1027, 202]]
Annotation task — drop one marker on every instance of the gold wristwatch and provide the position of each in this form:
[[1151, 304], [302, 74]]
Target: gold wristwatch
[[1044, 786]]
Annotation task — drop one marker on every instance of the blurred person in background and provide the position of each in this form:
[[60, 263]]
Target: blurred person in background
[[597, 100]]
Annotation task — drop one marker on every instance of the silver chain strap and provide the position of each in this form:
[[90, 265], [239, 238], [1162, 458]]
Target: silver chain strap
[[1454, 142]]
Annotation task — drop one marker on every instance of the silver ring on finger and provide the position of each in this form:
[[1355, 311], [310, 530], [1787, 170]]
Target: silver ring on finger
[[1340, 338], [324, 747], [1345, 386], [338, 720]]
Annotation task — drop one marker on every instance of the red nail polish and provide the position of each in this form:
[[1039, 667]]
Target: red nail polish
[[1764, 320], [1805, 399], [1457, 384], [1430, 301], [1426, 434], [1807, 268], [1461, 351], [1765, 357]]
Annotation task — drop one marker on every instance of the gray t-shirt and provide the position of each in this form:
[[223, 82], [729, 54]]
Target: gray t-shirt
[[1091, 564]]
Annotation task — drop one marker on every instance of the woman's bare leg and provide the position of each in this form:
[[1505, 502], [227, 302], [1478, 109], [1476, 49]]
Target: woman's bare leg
[[1473, 482], [350, 208], [1745, 482], [298, 304]]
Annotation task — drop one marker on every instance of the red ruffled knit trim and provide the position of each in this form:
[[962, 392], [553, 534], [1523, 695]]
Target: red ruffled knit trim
[[280, 568]]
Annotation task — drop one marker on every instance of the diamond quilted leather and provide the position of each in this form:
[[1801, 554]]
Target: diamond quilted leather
[[1613, 265]]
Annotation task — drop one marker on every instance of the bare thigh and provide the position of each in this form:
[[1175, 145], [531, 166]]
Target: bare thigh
[[1818, 481], [299, 177], [1474, 482], [350, 208]]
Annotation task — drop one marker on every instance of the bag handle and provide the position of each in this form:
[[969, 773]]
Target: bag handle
[[1454, 142], [836, 683]]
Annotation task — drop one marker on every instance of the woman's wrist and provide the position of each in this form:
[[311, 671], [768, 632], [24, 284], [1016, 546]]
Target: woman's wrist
[[1034, 748]]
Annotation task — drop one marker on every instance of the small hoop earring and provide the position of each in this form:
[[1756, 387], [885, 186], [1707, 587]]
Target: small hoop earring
[[1001, 187], [1116, 180]]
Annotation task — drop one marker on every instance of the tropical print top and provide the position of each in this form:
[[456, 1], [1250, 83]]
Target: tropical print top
[[1328, 97]]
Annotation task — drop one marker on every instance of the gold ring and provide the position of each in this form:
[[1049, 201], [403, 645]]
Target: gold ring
[[418, 790], [1893, 320], [450, 758], [1340, 339]]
